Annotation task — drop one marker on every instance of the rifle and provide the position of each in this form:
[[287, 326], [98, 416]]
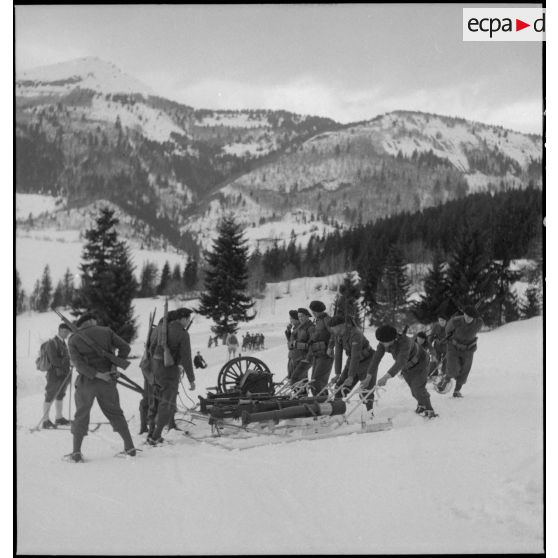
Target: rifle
[[167, 356], [116, 360]]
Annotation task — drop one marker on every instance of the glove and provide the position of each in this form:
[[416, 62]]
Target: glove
[[383, 380], [192, 386], [366, 381], [348, 382]]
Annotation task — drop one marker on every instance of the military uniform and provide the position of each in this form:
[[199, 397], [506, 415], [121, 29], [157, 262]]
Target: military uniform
[[88, 388], [58, 375], [322, 362], [410, 359], [290, 334], [301, 364], [166, 378], [438, 343], [461, 348], [359, 355]]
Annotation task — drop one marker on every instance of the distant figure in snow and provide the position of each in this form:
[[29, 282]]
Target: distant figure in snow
[[232, 344], [437, 339], [199, 361], [210, 342], [461, 348], [57, 377]]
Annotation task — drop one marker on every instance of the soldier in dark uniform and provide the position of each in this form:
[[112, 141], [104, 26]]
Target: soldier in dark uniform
[[166, 379], [290, 334], [96, 380], [57, 377], [410, 359], [461, 348], [320, 337], [301, 364], [349, 337], [437, 339]]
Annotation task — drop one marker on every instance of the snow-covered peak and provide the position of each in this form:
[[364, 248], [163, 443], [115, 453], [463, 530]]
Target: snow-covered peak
[[85, 73]]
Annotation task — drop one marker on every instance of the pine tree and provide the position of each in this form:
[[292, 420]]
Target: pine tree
[[34, 298], [108, 285], [58, 296], [175, 285], [45, 293], [503, 307], [470, 273], [393, 290], [435, 292], [68, 290], [190, 276], [165, 278], [225, 300], [19, 295], [347, 301], [148, 280], [530, 307]]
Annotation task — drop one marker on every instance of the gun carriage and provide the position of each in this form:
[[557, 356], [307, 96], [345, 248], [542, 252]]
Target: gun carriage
[[247, 408]]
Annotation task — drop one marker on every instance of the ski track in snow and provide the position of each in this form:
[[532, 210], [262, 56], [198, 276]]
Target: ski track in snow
[[469, 481]]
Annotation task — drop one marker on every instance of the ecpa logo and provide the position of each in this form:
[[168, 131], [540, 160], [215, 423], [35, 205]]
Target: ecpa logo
[[503, 24]]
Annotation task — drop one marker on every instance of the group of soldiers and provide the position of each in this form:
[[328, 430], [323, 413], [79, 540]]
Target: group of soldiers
[[316, 341], [253, 342], [318, 344], [97, 377]]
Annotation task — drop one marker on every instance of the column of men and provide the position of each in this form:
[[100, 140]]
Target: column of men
[[320, 344]]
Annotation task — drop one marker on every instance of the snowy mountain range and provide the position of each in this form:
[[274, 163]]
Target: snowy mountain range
[[85, 131]]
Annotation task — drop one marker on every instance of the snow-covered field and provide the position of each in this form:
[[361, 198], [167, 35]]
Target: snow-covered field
[[63, 249], [469, 481]]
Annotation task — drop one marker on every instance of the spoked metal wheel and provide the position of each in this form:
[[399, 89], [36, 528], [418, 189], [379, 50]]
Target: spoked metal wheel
[[232, 372]]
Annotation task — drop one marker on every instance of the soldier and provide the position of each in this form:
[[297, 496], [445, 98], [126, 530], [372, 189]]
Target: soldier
[[349, 337], [437, 339], [96, 380], [320, 336], [461, 348], [199, 361], [232, 345], [290, 334], [57, 377], [410, 359], [146, 367], [301, 364], [166, 379]]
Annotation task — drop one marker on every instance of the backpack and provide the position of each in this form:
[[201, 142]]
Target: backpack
[[41, 362]]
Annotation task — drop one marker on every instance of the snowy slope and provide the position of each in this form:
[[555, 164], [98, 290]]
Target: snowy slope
[[85, 73], [470, 481]]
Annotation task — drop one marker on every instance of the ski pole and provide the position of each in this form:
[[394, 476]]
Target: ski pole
[[70, 398]]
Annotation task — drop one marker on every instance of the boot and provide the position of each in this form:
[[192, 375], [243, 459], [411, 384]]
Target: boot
[[457, 394], [420, 409], [154, 441], [62, 421], [48, 424], [442, 384], [429, 413], [76, 457]]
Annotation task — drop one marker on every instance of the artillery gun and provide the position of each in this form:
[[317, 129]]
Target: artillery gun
[[247, 408]]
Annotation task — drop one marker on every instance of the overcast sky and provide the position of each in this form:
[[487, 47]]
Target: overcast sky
[[347, 62]]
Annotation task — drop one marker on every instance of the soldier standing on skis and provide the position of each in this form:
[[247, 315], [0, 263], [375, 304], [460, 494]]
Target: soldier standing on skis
[[301, 364], [320, 337], [96, 380], [290, 334], [349, 337], [462, 332], [167, 378], [57, 377], [410, 359]]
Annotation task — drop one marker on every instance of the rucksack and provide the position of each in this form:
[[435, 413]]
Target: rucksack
[[41, 362]]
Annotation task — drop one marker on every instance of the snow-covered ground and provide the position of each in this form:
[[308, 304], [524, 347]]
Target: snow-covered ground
[[469, 481], [35, 205], [63, 249]]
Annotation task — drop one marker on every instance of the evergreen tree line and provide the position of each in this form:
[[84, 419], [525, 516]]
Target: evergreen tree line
[[167, 282], [510, 221]]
